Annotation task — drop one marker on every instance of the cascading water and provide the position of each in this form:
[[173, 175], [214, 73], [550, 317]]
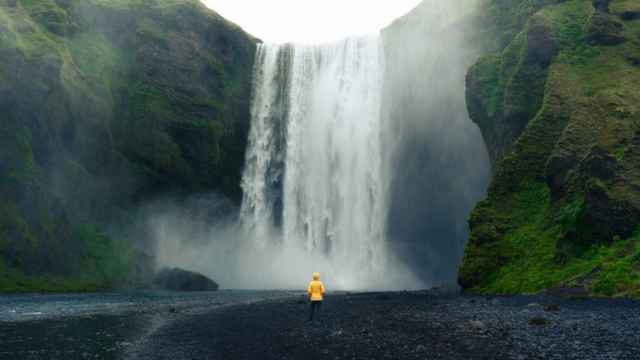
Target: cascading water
[[313, 182], [362, 164]]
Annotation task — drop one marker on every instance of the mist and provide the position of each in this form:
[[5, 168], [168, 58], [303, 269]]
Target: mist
[[437, 158], [202, 234], [362, 164]]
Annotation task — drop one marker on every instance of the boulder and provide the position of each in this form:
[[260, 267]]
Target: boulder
[[182, 280]]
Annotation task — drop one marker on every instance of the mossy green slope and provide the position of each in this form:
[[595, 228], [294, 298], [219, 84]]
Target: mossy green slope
[[104, 104], [559, 107]]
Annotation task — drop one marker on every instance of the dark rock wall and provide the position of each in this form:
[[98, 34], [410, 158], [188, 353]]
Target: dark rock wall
[[104, 105], [557, 106]]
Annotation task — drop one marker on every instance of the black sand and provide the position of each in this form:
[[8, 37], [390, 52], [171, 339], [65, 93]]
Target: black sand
[[421, 325], [407, 326]]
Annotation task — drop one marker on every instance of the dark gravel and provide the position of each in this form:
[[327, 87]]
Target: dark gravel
[[101, 325], [407, 326], [83, 337], [424, 325]]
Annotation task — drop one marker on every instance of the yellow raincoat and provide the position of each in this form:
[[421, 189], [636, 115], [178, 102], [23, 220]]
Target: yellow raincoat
[[316, 288]]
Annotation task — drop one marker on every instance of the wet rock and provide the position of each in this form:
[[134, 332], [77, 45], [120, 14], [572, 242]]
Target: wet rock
[[605, 211], [601, 5], [538, 321], [552, 308], [477, 326], [599, 164], [630, 15], [633, 60], [605, 30], [182, 280], [542, 47], [606, 215], [557, 171]]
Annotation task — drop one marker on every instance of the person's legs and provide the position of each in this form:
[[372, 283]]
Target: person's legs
[[318, 305], [314, 310], [318, 309], [311, 310]]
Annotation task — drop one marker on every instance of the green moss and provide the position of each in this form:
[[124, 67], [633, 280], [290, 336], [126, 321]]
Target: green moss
[[14, 225], [129, 4], [536, 230], [24, 34], [620, 269], [105, 112], [108, 260], [107, 263], [50, 15], [95, 58], [568, 21], [150, 30], [526, 261], [486, 87], [509, 18]]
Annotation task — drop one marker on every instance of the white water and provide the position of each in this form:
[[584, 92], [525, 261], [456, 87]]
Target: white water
[[315, 195], [331, 184]]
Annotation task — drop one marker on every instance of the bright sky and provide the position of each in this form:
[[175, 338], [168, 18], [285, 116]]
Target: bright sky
[[310, 21]]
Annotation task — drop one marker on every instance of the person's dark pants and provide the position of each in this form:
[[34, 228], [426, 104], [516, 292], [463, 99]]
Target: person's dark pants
[[314, 310]]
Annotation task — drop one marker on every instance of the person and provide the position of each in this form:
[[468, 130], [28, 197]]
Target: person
[[316, 295]]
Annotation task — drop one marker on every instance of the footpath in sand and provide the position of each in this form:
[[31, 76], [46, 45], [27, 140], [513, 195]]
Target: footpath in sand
[[405, 326]]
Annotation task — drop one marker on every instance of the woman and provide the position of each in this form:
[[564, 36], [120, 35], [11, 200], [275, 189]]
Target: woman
[[316, 292]]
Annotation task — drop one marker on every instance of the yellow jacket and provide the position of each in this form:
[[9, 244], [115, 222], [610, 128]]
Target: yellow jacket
[[316, 288]]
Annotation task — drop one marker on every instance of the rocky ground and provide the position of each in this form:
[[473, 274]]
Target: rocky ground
[[407, 326], [422, 325]]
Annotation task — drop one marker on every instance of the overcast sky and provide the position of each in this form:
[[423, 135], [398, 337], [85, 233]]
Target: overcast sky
[[310, 21]]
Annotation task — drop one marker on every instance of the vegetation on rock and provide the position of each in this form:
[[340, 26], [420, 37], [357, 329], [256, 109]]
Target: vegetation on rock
[[104, 104], [562, 120]]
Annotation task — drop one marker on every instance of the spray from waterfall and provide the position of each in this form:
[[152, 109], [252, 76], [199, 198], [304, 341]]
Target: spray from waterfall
[[313, 181], [361, 164]]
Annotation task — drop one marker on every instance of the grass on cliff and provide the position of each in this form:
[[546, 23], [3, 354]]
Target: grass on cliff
[[147, 95], [106, 263], [530, 247], [591, 97]]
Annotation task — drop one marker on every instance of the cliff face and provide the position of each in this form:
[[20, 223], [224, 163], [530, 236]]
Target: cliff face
[[104, 104], [558, 105]]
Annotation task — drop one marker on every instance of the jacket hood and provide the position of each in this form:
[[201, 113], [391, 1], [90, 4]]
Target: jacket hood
[[316, 276]]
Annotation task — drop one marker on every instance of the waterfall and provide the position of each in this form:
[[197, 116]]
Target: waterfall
[[362, 164], [313, 182]]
